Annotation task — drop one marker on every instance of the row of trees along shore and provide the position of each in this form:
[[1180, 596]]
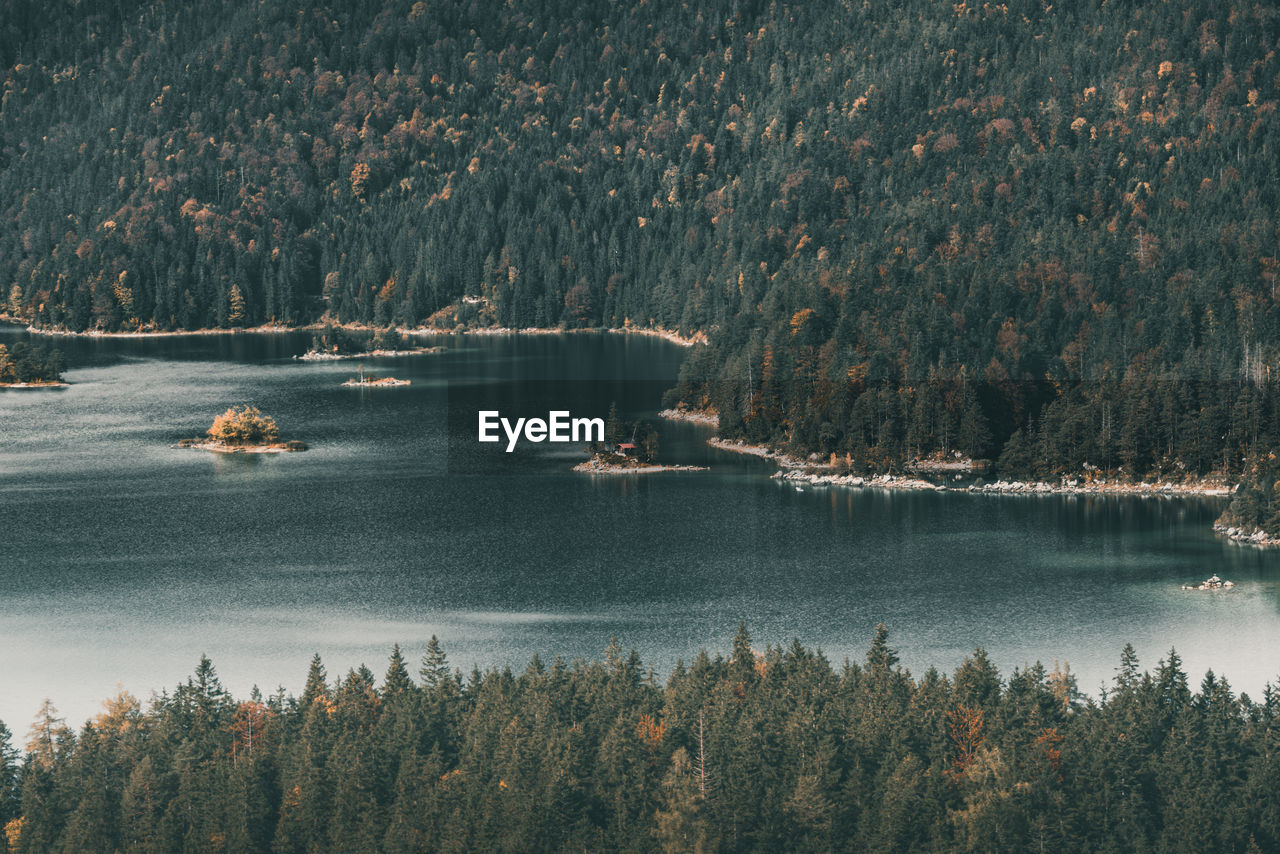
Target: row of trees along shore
[[24, 363], [1042, 233], [772, 751]]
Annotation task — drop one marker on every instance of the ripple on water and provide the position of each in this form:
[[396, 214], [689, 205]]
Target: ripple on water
[[125, 559]]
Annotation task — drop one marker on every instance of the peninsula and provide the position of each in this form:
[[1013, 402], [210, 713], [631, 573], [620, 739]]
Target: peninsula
[[28, 367], [1252, 517]]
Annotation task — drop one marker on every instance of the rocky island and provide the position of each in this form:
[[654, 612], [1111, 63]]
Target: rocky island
[[618, 462], [376, 382], [243, 430], [627, 449], [361, 380]]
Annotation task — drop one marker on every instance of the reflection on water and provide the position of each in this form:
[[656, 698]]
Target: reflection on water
[[123, 558]]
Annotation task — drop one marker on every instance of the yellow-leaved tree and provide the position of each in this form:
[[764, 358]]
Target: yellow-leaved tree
[[245, 425], [236, 303]]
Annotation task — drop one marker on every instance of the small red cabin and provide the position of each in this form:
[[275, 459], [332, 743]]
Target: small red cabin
[[626, 447]]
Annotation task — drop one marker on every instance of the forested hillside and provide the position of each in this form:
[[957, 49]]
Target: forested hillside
[[773, 751], [908, 228]]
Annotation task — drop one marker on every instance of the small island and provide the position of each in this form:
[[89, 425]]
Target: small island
[[243, 430], [1214, 583], [333, 344], [363, 381], [376, 382], [618, 462], [30, 367], [627, 449]]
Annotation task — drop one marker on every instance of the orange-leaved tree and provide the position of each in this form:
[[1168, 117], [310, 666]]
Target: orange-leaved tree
[[244, 425]]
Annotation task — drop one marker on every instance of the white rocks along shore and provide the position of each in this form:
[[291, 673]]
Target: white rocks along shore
[[787, 461], [810, 471], [693, 416], [596, 466], [1256, 537]]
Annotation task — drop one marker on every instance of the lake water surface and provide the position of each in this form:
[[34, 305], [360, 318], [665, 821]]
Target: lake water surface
[[124, 558]]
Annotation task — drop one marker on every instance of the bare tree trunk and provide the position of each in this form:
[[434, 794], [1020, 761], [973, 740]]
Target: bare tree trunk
[[701, 767]]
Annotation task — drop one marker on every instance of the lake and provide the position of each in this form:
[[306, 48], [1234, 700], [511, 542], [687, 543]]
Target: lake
[[123, 558]]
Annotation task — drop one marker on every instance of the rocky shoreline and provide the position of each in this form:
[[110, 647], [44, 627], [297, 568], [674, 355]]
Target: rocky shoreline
[[693, 416], [882, 481], [222, 448], [37, 384], [955, 465], [1001, 487], [664, 334], [322, 356], [787, 461], [1206, 489], [596, 465], [265, 329], [811, 471], [1257, 537], [380, 382], [277, 329]]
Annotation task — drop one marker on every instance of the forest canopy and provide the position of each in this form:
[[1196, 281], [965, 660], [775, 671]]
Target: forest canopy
[[26, 364], [758, 751], [1040, 233]]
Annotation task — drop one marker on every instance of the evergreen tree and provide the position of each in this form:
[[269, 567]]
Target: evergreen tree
[[10, 803]]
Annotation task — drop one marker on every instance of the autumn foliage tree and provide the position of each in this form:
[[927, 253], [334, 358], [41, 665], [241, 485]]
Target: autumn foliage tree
[[766, 750], [244, 425], [908, 231]]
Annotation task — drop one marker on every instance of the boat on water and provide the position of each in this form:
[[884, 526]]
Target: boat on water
[[1213, 583]]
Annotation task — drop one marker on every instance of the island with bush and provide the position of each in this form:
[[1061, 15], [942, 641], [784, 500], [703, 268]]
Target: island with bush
[[30, 367], [243, 430]]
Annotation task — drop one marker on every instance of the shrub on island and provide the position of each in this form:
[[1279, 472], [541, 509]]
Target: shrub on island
[[244, 428], [245, 425]]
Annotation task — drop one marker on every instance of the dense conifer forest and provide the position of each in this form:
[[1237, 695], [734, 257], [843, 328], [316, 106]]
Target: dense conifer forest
[[26, 364], [1045, 234], [1256, 503], [772, 751], [1041, 233]]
